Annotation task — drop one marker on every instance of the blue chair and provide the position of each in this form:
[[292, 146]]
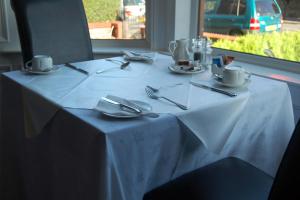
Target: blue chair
[[234, 179], [57, 28]]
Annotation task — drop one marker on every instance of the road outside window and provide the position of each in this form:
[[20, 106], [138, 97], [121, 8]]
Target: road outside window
[[116, 19], [262, 27]]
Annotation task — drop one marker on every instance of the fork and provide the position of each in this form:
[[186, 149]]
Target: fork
[[152, 95]]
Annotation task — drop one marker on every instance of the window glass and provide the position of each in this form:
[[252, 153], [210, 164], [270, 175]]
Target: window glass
[[227, 7], [242, 6], [265, 8], [268, 28], [116, 19]]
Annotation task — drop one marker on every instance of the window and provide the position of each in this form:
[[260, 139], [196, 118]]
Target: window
[[227, 7], [266, 8], [265, 28], [116, 19], [3, 22], [241, 7], [232, 7], [108, 41]]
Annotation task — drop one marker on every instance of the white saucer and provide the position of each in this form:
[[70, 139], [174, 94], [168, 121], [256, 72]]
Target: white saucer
[[54, 69], [178, 69], [114, 111], [219, 81]]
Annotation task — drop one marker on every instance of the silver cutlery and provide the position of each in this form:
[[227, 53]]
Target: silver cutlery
[[123, 65], [132, 107], [76, 68], [152, 88], [151, 93], [140, 54], [231, 94], [144, 112], [157, 89], [106, 70], [122, 106]]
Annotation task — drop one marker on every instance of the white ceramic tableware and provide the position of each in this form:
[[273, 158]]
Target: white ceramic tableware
[[179, 69], [179, 50], [39, 63], [235, 76]]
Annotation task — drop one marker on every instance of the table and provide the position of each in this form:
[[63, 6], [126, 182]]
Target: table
[[54, 146]]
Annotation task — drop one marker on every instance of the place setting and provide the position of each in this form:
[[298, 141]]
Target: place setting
[[40, 65], [146, 103], [188, 61], [117, 107], [229, 80], [231, 76]]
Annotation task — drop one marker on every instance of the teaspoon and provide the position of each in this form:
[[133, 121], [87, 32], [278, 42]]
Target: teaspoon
[[123, 64]]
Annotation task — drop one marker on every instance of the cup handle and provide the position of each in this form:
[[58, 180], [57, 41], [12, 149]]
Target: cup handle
[[172, 47], [248, 74], [27, 64]]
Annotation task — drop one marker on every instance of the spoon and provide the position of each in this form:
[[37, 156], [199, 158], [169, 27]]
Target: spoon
[[123, 64]]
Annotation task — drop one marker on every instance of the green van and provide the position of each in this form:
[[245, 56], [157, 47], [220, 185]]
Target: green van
[[237, 17]]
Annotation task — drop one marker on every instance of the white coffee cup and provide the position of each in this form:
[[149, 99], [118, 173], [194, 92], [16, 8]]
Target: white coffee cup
[[40, 63], [235, 76]]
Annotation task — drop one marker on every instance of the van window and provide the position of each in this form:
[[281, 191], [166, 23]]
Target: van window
[[242, 6], [266, 8], [232, 7]]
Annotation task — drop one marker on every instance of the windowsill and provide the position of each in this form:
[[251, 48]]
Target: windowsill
[[264, 71], [281, 75], [116, 50]]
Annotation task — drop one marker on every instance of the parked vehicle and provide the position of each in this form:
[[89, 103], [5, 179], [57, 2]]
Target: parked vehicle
[[237, 17], [134, 8]]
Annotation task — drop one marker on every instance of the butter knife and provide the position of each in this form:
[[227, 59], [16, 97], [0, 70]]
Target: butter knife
[[76, 68], [135, 110], [231, 94]]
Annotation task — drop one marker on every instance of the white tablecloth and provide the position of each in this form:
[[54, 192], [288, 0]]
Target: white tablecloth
[[245, 126]]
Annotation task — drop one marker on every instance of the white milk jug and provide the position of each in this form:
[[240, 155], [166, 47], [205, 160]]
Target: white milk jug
[[179, 50]]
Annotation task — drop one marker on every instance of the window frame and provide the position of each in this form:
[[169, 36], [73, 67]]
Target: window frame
[[273, 63], [4, 34]]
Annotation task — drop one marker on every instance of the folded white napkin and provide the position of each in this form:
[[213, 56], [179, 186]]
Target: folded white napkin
[[136, 56]]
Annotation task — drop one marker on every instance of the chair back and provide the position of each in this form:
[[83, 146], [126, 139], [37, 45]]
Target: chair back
[[57, 28], [287, 180]]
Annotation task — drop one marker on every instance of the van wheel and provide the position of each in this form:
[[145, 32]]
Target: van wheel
[[235, 32]]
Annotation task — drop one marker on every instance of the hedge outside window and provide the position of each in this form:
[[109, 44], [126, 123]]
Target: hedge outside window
[[268, 28]]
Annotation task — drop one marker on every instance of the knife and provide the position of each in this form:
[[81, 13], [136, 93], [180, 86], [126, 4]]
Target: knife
[[76, 68], [140, 55], [231, 94], [136, 110]]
